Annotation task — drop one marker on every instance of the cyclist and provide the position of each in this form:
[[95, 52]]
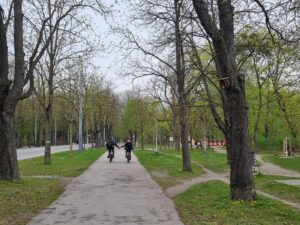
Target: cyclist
[[110, 146], [128, 147]]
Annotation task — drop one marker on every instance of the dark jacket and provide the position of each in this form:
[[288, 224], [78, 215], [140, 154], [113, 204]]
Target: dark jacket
[[111, 144], [128, 146]]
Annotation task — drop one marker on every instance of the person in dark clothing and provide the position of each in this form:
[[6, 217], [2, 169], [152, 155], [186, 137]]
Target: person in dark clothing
[[127, 147], [110, 146]]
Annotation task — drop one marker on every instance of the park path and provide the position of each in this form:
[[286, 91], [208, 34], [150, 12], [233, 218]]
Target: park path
[[111, 193], [271, 169], [268, 168]]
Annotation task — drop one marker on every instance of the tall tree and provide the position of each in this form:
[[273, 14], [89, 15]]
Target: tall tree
[[241, 181]]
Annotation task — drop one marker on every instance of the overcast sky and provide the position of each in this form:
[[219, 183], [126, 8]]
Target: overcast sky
[[111, 61]]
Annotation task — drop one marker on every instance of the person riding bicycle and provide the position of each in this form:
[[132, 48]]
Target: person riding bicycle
[[128, 147], [110, 146]]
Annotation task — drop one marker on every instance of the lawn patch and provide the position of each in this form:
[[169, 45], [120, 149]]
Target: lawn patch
[[21, 200], [209, 204], [268, 184], [210, 159], [64, 164], [165, 169]]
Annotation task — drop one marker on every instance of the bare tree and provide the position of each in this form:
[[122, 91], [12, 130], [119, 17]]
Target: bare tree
[[12, 90]]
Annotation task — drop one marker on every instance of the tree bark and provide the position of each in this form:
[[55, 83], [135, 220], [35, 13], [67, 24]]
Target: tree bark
[[8, 156]]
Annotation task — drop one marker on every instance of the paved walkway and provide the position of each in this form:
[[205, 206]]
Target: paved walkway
[[111, 193], [268, 168], [271, 169]]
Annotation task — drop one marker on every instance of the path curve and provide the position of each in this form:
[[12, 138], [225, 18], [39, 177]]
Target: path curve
[[110, 194], [271, 169], [209, 176]]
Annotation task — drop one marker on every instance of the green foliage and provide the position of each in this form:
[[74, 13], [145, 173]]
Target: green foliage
[[208, 203]]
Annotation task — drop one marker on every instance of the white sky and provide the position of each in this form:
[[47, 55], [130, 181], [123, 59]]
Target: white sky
[[111, 62]]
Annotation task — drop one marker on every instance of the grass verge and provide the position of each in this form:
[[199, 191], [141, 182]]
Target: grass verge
[[64, 164], [23, 199], [290, 163], [165, 169], [208, 203]]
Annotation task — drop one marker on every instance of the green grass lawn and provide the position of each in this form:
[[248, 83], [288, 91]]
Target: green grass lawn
[[269, 185], [291, 163], [64, 164], [165, 169], [208, 203], [21, 200], [211, 160]]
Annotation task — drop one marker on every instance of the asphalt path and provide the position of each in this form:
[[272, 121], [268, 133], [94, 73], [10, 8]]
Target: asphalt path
[[111, 194], [27, 153]]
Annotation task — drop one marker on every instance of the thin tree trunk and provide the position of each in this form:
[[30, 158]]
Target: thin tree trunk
[[175, 129], [266, 130], [71, 136], [47, 157], [256, 128], [180, 75], [142, 135]]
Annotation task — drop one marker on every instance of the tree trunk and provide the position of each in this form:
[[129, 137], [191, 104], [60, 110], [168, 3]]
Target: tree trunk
[[256, 128], [47, 157], [187, 166], [71, 136], [96, 139], [175, 129], [8, 155], [241, 183], [180, 76], [142, 135], [10, 94]]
